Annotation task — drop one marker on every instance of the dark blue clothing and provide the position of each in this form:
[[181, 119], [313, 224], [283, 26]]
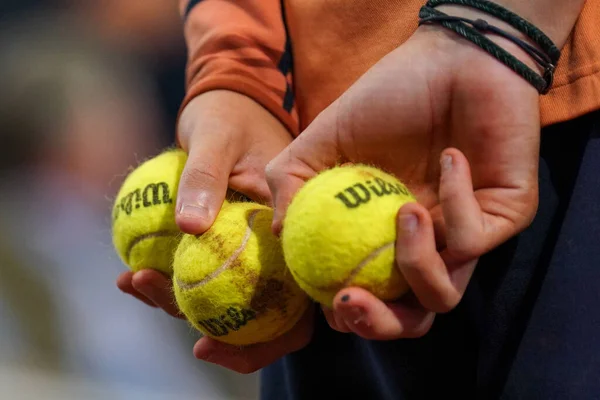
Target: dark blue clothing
[[527, 327]]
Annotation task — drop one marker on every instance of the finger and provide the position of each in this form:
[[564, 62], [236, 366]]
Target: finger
[[372, 319], [203, 184], [477, 222], [158, 288], [419, 261], [313, 151], [249, 359], [248, 176], [124, 283], [342, 325], [254, 186], [335, 321], [329, 318], [462, 213]]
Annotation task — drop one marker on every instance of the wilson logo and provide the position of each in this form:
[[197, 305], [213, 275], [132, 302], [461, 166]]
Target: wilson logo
[[233, 319], [152, 195], [361, 193]]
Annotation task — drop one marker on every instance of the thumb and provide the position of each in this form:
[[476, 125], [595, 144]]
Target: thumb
[[203, 184], [313, 151]]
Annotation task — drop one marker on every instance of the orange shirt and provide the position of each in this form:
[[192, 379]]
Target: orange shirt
[[249, 47]]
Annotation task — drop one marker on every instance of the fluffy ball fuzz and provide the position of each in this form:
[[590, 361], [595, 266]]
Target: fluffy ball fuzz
[[143, 218], [232, 283], [340, 231]]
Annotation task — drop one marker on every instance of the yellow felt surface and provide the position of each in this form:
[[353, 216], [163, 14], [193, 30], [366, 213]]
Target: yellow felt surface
[[340, 230], [143, 217], [232, 282]]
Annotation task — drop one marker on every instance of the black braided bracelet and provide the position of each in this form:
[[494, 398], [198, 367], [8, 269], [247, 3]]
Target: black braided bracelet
[[524, 26], [548, 61]]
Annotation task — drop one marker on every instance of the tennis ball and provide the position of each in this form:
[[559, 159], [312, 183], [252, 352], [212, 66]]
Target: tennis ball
[[144, 231], [232, 283], [340, 231]]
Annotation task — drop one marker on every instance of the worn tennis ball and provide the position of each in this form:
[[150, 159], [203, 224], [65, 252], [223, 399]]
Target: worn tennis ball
[[340, 231], [144, 231], [232, 283]]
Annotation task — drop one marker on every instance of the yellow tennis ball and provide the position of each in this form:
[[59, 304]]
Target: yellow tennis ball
[[145, 234], [232, 283], [340, 231]]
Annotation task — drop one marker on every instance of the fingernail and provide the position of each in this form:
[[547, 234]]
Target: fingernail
[[355, 316], [408, 222], [196, 207], [193, 210], [446, 162]]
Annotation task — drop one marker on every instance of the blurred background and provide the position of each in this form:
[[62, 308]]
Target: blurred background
[[88, 89]]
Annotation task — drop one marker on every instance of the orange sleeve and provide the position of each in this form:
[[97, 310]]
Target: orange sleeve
[[576, 89], [241, 46]]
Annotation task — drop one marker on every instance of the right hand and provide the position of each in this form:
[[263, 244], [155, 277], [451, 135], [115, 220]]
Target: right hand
[[462, 131], [229, 139]]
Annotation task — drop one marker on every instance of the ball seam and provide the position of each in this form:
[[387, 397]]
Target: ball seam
[[151, 235], [236, 253], [359, 267]]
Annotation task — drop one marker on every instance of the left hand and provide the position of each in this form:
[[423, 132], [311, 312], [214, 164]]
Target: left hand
[[157, 292], [230, 139], [462, 131]]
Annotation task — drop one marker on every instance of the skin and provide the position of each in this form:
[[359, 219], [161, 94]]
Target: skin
[[464, 149], [555, 18], [460, 128]]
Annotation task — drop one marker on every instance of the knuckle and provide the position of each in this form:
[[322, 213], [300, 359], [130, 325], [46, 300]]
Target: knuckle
[[446, 304], [273, 170], [196, 175], [465, 245], [408, 261], [419, 331]]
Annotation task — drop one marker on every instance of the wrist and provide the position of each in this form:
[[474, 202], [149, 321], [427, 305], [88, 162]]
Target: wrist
[[230, 114], [208, 111], [555, 18], [460, 59], [504, 43]]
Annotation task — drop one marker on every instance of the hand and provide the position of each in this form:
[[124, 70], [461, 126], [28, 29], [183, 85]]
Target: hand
[[229, 139], [248, 359], [155, 289], [462, 131], [150, 287]]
